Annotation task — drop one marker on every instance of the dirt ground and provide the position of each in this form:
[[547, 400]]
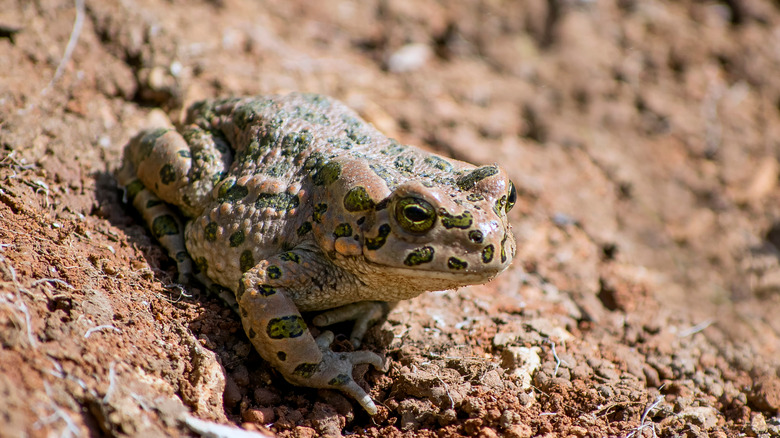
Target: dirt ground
[[643, 138]]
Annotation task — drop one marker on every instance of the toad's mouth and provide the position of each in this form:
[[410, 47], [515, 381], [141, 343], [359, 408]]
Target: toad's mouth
[[425, 273], [472, 276]]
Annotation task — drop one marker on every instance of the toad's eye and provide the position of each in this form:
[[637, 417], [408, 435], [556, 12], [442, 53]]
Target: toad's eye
[[415, 215], [510, 201]]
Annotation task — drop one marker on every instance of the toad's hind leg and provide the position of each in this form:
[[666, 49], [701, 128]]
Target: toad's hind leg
[[278, 332], [161, 167], [165, 224], [181, 168]]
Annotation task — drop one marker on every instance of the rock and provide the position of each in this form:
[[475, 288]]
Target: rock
[[522, 362], [703, 416], [326, 420], [758, 424], [259, 416], [519, 431], [765, 394]]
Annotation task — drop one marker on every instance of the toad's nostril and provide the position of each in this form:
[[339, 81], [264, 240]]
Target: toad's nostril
[[476, 236]]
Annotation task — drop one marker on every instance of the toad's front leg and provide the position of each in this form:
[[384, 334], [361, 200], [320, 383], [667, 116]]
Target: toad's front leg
[[277, 331]]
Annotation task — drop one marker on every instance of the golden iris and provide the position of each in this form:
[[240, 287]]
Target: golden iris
[[415, 215]]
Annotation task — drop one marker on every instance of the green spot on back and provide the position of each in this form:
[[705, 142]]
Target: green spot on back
[[277, 169], [438, 163], [314, 162], [476, 236], [210, 231], [244, 116], [357, 199], [246, 261], [250, 112], [164, 225], [229, 191], [201, 264], [236, 239], [271, 131], [262, 143], [469, 180], [419, 256], [356, 136], [404, 164], [291, 326], [328, 174], [251, 152], [278, 201], [296, 142]]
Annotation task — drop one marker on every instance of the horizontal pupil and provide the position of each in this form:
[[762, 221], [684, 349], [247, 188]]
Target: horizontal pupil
[[415, 214]]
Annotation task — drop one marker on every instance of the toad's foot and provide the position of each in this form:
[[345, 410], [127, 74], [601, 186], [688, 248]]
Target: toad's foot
[[337, 370]]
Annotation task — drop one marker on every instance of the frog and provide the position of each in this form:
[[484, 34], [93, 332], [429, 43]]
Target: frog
[[292, 203]]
